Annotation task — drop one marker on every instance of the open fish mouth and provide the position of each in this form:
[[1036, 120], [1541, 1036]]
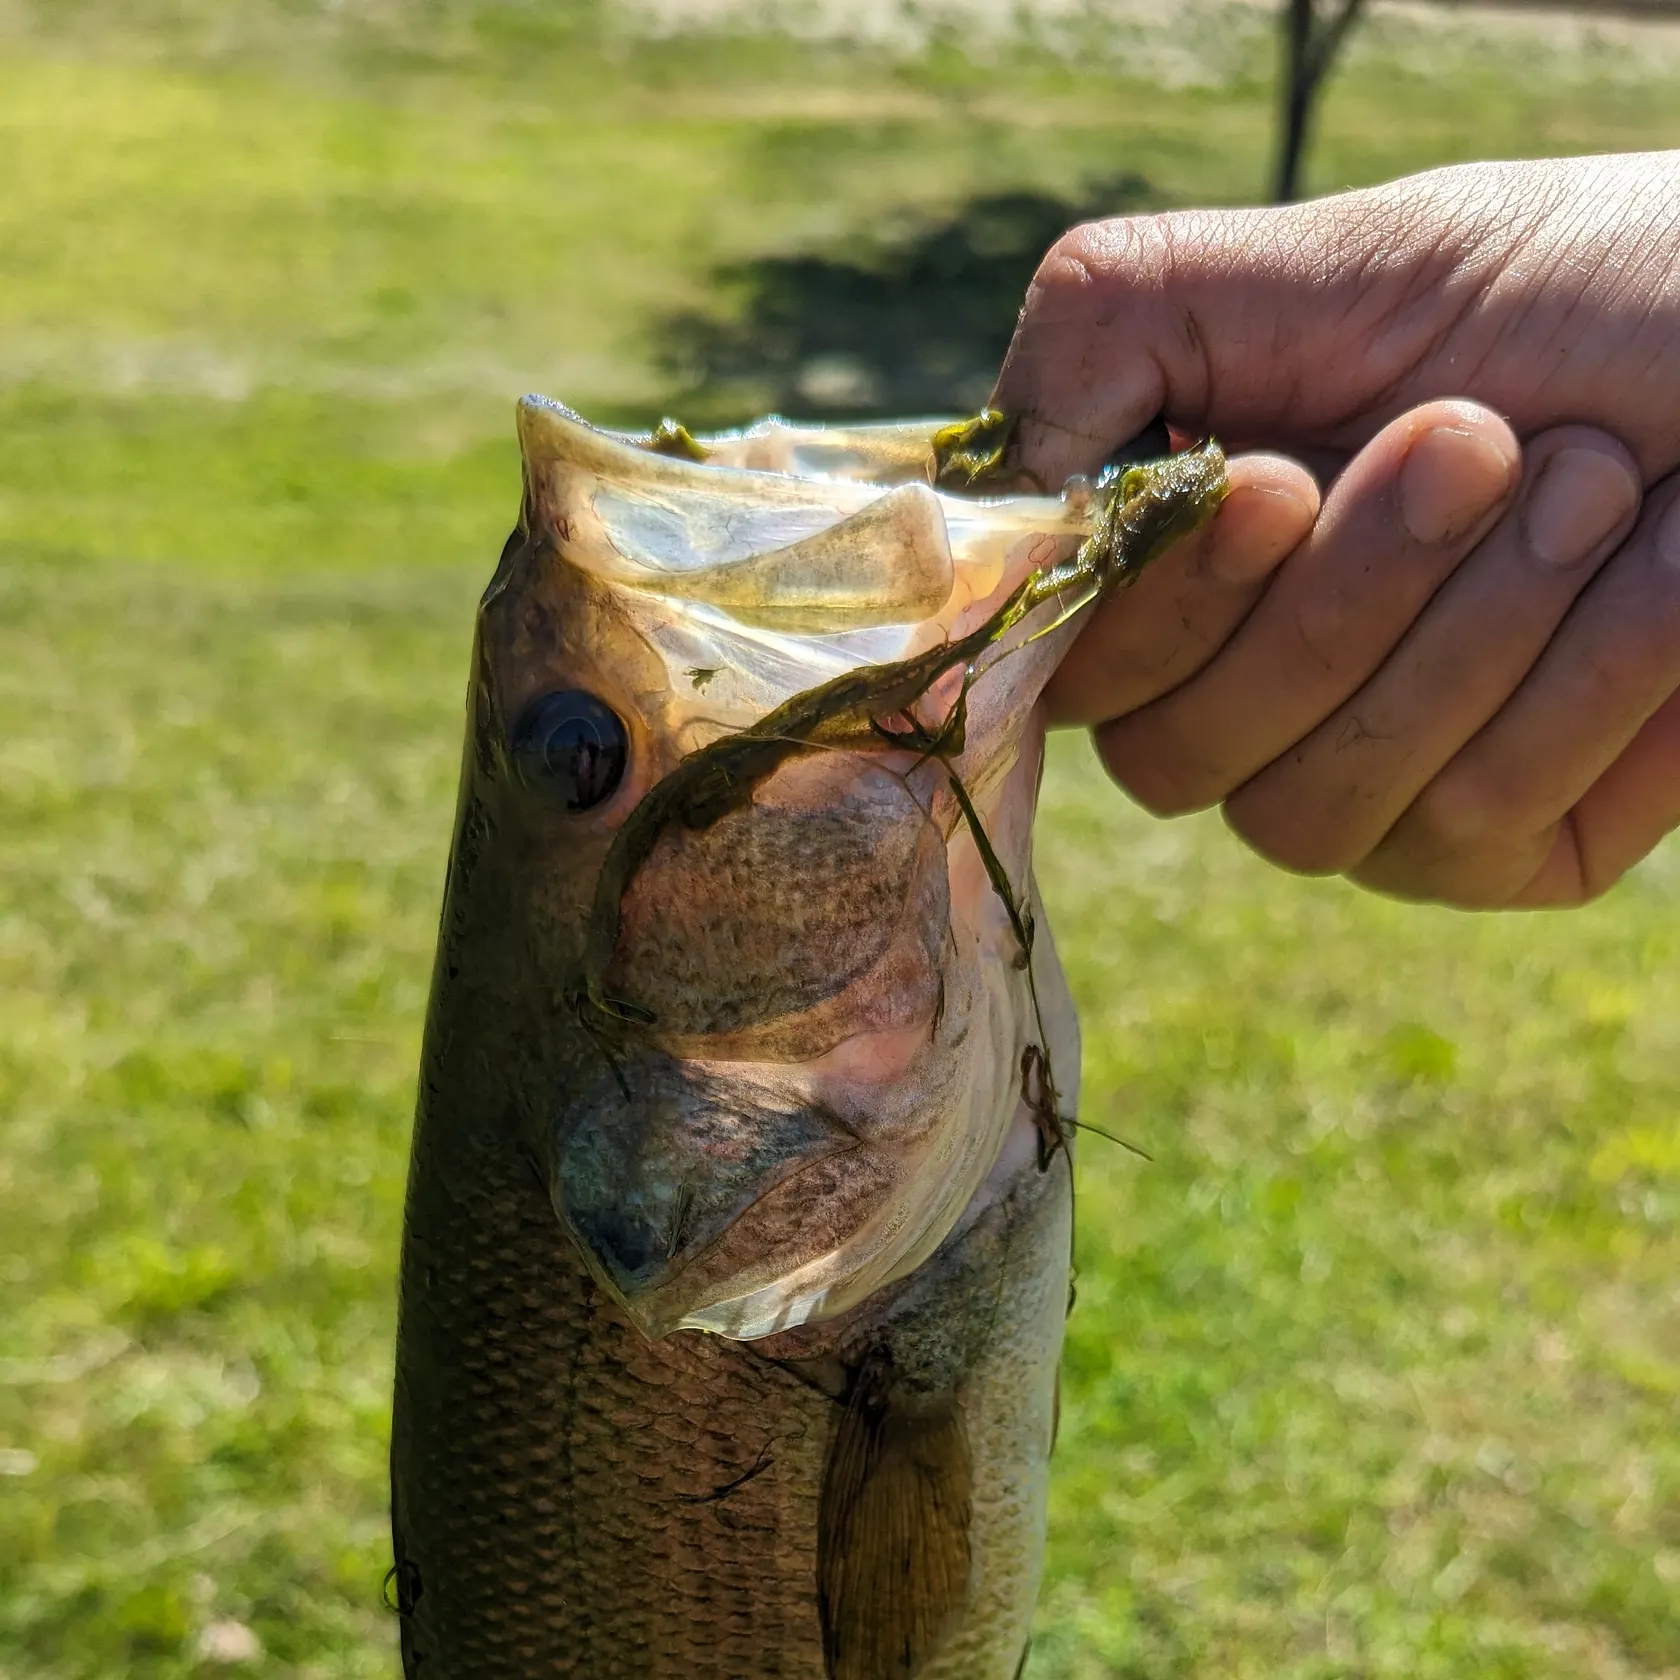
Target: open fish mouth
[[772, 700]]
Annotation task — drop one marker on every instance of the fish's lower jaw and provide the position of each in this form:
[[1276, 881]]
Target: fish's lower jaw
[[656, 1326], [670, 1261], [823, 1288], [743, 1318], [765, 1312]]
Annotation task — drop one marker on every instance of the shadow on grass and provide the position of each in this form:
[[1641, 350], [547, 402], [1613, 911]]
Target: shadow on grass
[[912, 322]]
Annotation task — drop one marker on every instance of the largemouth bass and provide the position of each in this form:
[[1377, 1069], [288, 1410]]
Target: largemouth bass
[[736, 1252]]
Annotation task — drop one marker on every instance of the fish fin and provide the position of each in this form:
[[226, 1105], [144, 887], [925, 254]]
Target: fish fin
[[893, 1548]]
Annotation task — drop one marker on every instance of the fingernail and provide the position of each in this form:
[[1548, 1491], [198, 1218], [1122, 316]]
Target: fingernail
[[1578, 498], [1275, 520], [1449, 482], [1668, 534]]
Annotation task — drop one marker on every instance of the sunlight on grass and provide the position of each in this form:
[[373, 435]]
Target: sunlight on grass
[[225, 820], [1374, 1368]]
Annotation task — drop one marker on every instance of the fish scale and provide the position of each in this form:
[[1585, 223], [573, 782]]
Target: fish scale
[[543, 1520]]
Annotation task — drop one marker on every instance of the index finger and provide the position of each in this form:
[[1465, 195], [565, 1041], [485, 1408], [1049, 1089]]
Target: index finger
[[1272, 327], [1159, 633]]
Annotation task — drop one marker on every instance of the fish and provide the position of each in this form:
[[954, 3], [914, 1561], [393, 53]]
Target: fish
[[737, 1240]]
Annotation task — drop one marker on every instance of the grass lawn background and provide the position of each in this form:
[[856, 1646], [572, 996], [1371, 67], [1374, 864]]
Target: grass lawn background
[[1375, 1368]]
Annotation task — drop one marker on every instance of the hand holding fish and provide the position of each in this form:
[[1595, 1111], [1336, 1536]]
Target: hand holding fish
[[1454, 676]]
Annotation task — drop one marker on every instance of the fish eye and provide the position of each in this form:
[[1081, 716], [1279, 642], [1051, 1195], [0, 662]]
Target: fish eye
[[570, 750]]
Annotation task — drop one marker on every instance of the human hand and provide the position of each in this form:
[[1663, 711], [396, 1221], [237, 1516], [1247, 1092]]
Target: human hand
[[1455, 679]]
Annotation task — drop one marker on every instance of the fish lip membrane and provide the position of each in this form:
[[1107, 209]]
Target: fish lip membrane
[[804, 1007]]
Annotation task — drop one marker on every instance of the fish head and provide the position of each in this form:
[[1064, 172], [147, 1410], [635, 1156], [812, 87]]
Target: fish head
[[757, 769]]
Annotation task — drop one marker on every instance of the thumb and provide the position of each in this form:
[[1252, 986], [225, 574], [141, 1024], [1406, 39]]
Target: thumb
[[1287, 328]]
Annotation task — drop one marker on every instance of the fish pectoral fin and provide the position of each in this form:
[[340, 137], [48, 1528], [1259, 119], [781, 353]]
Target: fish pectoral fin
[[888, 563], [893, 1549]]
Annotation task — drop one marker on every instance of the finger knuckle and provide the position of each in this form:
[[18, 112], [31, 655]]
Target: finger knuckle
[[1611, 681], [1159, 795], [1079, 273], [1292, 836], [1324, 627], [1165, 784], [1459, 813], [1073, 262]]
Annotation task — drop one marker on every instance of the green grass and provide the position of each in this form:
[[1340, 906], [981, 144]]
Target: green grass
[[1375, 1368]]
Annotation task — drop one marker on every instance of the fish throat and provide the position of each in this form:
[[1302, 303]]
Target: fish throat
[[1145, 510]]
